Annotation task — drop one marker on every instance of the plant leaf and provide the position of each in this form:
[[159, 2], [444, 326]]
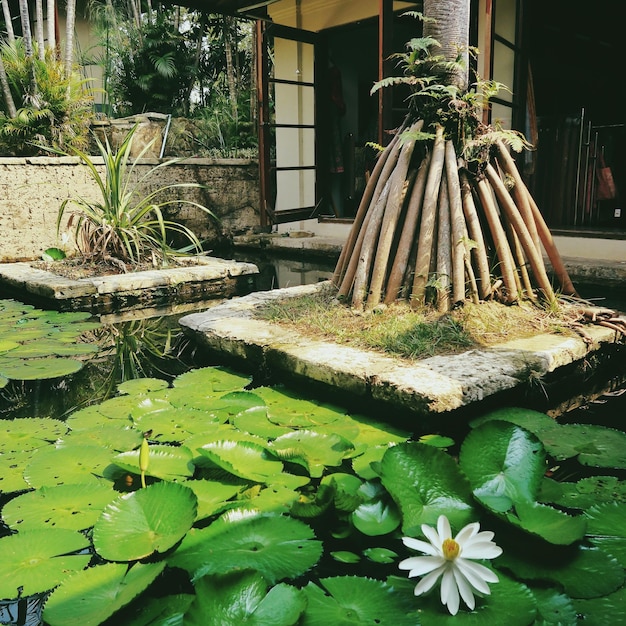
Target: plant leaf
[[142, 522]]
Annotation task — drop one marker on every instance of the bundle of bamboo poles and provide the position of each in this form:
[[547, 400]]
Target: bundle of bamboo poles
[[427, 229]]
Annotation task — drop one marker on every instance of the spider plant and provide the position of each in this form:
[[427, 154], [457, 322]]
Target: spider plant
[[123, 224]]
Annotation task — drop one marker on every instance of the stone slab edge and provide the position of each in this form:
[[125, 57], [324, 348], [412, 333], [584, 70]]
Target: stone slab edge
[[433, 385], [49, 285]]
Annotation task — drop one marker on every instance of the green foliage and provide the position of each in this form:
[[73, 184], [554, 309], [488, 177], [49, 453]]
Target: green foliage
[[123, 224], [250, 521], [58, 115]]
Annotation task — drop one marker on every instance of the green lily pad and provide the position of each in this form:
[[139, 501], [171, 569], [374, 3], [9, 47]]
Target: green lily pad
[[534, 421], [584, 493], [607, 530], [255, 422], [3, 381], [610, 609], [312, 450], [141, 386], [376, 518], [244, 459], [90, 597], [161, 611], [275, 546], [29, 433], [510, 603], [581, 571], [364, 465], [213, 495], [551, 524], [352, 600], [553, 608], [39, 369], [12, 466], [67, 465], [274, 498], [171, 424], [49, 346], [504, 464], [380, 555], [347, 496], [437, 441], [74, 507], [244, 597], [37, 560], [112, 435], [166, 462], [212, 380], [313, 502], [345, 556], [425, 483], [137, 524]]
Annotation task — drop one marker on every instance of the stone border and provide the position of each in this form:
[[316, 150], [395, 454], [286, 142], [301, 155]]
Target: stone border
[[201, 279], [430, 386]]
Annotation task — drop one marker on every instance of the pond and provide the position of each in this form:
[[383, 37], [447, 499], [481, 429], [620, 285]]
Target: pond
[[194, 490]]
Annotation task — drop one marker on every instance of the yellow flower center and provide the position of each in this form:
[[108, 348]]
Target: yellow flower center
[[450, 549]]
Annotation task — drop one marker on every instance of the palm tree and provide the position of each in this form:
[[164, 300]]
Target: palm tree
[[6, 90], [437, 220], [69, 35], [8, 21]]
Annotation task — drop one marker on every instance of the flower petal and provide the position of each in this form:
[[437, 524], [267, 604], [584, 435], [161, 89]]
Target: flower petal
[[477, 575], [450, 592], [428, 582], [481, 550], [431, 534], [420, 565], [466, 533], [422, 546], [443, 528], [465, 588]]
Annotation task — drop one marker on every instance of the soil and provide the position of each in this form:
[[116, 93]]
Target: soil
[[78, 267]]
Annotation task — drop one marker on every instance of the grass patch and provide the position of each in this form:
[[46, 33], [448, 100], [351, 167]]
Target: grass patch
[[400, 331]]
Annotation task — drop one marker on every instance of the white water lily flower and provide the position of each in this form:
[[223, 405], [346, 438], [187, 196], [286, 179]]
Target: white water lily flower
[[449, 559]]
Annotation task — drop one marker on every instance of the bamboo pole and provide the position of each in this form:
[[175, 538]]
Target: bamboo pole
[[457, 224], [501, 243], [368, 248], [479, 252], [429, 215], [513, 214], [444, 267], [345, 288], [409, 228], [397, 193], [551, 250], [370, 192]]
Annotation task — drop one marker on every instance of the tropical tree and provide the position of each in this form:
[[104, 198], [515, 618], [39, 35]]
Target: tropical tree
[[445, 216]]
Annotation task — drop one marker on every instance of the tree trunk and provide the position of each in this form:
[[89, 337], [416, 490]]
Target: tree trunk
[[8, 22], [230, 66], [448, 23], [41, 50], [31, 97], [69, 36], [51, 23], [6, 90]]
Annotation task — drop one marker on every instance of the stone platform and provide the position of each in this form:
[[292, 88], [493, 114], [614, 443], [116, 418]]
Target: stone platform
[[430, 386], [201, 278]]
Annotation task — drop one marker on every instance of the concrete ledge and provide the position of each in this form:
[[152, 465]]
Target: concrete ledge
[[430, 386], [207, 278]]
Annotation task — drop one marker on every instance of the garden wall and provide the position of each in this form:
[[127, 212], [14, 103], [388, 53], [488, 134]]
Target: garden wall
[[32, 190]]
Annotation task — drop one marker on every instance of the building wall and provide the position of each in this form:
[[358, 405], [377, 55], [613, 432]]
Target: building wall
[[32, 190]]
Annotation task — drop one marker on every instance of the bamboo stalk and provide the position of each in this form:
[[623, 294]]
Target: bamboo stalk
[[370, 191], [427, 226], [522, 202], [405, 244], [457, 224], [394, 204], [551, 250], [368, 248], [501, 243], [479, 252], [345, 288], [533, 255], [444, 267], [520, 261]]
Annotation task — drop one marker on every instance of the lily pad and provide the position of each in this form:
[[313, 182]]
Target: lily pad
[[311, 450], [275, 546], [610, 609], [12, 466], [139, 523], [142, 386], [583, 494], [39, 369], [554, 608], [244, 459], [376, 518], [112, 435], [548, 523], [166, 462], [504, 464], [74, 507], [212, 380], [244, 597], [352, 600], [37, 560], [425, 483], [90, 597], [380, 555], [29, 433], [67, 465], [213, 495], [255, 422]]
